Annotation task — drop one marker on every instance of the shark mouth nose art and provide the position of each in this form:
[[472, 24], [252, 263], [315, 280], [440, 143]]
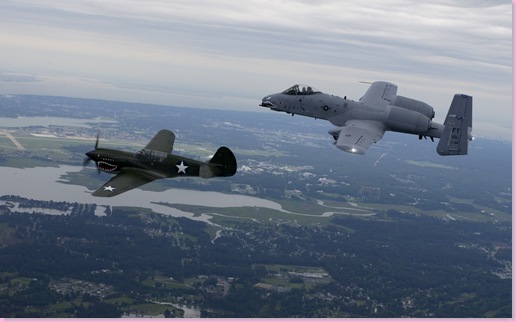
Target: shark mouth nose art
[[267, 104], [104, 166]]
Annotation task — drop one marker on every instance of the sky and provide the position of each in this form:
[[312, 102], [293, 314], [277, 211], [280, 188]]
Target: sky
[[229, 54]]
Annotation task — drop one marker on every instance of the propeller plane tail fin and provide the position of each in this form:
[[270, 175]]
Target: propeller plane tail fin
[[223, 164]]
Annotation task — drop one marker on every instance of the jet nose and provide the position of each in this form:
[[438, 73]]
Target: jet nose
[[266, 102]]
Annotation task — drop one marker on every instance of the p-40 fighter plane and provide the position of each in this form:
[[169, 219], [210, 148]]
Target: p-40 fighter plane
[[360, 124], [155, 161]]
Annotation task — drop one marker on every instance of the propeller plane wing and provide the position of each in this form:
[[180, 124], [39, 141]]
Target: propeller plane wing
[[163, 141], [124, 181]]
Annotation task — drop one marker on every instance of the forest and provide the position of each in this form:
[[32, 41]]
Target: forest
[[398, 265]]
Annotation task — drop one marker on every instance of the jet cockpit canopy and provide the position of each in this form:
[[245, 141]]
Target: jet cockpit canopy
[[301, 89]]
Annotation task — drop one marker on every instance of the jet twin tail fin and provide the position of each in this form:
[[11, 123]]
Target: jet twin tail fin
[[457, 127]]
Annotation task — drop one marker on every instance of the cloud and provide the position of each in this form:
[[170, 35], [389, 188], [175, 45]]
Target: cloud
[[19, 78], [247, 49]]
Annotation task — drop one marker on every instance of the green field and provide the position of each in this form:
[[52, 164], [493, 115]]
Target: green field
[[278, 276]]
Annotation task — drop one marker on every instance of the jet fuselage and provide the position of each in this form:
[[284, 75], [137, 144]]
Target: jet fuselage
[[359, 124], [413, 117]]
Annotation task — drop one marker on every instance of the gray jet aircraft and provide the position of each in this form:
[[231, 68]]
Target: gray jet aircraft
[[154, 161], [360, 124]]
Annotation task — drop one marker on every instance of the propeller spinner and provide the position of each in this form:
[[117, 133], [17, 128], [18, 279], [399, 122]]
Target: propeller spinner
[[88, 160]]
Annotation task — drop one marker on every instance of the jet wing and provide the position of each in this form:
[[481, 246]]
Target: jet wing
[[356, 136], [163, 141], [379, 94], [124, 181]]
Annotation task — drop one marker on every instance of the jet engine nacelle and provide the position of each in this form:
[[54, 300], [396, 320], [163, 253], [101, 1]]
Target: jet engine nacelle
[[413, 105], [405, 120]]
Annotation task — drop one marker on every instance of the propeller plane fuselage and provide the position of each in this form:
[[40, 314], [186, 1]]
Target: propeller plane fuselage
[[155, 161], [165, 166]]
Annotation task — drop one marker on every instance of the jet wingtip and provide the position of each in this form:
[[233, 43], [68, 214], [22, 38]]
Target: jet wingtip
[[352, 149]]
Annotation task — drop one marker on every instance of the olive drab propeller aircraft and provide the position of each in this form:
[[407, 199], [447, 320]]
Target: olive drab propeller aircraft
[[154, 161], [360, 124]]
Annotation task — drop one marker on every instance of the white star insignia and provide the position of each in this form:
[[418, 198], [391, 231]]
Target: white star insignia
[[109, 188], [181, 168]]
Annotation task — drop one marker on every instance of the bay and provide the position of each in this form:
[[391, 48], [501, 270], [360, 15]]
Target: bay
[[46, 121], [42, 183]]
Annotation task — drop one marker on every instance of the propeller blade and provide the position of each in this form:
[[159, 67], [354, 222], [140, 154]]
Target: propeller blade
[[86, 162], [97, 140]]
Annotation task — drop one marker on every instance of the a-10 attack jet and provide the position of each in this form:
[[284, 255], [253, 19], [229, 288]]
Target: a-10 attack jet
[[360, 124], [155, 161]]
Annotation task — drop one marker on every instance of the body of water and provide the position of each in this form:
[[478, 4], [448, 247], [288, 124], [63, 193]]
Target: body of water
[[47, 121], [41, 183]]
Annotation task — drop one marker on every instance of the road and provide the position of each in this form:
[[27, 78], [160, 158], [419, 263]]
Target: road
[[13, 139]]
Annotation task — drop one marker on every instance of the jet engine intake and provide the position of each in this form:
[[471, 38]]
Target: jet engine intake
[[335, 132]]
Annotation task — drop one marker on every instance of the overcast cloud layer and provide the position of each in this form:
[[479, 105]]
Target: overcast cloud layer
[[229, 54]]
